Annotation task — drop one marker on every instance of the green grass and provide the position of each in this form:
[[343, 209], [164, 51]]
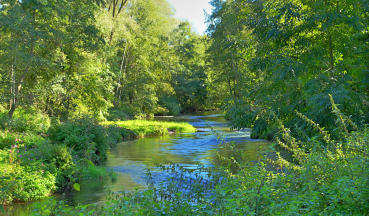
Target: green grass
[[153, 128]]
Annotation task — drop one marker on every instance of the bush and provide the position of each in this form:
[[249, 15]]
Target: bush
[[88, 139], [116, 134], [90, 172], [25, 120], [23, 183], [84, 136], [7, 139], [53, 158]]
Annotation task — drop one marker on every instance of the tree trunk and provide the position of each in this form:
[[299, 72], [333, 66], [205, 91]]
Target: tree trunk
[[116, 10], [119, 87], [11, 111]]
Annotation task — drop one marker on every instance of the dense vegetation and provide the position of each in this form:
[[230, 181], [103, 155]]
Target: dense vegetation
[[66, 66], [272, 58], [295, 71], [330, 182], [39, 162], [111, 59]]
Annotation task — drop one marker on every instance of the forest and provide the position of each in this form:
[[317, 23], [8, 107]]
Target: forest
[[78, 77]]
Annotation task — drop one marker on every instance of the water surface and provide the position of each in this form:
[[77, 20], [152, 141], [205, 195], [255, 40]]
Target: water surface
[[131, 159]]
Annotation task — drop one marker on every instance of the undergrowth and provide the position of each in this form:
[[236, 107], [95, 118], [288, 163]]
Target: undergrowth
[[321, 176], [38, 162]]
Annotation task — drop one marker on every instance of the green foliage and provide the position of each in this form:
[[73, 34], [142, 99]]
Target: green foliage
[[119, 115], [326, 183], [172, 107], [84, 136], [8, 139], [53, 158], [189, 79], [283, 56], [23, 183], [26, 120], [90, 172], [87, 139], [153, 128]]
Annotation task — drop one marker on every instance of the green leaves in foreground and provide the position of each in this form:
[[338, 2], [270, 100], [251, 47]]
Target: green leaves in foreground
[[76, 187], [327, 183]]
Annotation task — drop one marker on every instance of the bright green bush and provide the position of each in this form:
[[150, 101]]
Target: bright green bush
[[90, 172], [34, 166], [116, 134], [124, 112], [23, 183], [53, 158]]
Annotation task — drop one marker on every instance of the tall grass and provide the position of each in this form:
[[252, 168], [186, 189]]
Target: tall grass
[[153, 128]]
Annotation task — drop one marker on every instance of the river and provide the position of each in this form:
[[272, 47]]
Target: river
[[130, 160]]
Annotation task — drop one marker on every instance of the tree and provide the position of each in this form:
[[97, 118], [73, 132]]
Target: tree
[[40, 38]]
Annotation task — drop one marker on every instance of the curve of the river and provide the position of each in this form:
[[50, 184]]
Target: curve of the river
[[130, 160]]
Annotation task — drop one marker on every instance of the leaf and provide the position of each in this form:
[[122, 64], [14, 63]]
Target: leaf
[[2, 210], [77, 187]]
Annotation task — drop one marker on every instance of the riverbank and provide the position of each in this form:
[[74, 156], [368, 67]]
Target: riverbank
[[144, 128], [323, 183], [39, 158]]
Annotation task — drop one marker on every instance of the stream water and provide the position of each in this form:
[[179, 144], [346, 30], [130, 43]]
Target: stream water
[[130, 160]]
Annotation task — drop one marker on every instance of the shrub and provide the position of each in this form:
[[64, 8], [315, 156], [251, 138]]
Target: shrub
[[88, 139], [115, 134], [90, 172], [25, 120], [23, 183], [7, 139], [84, 136]]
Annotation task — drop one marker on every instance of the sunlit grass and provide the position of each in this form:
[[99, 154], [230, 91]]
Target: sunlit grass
[[154, 128]]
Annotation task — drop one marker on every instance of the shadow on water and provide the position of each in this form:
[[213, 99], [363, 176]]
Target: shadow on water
[[130, 160]]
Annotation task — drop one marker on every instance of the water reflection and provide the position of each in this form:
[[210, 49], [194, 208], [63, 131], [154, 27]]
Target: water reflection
[[130, 160], [134, 157]]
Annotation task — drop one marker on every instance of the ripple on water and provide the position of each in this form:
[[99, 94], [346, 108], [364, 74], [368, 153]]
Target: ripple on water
[[130, 160]]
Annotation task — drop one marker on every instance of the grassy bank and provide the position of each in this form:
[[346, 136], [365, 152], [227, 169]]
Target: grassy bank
[[153, 128], [39, 157]]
